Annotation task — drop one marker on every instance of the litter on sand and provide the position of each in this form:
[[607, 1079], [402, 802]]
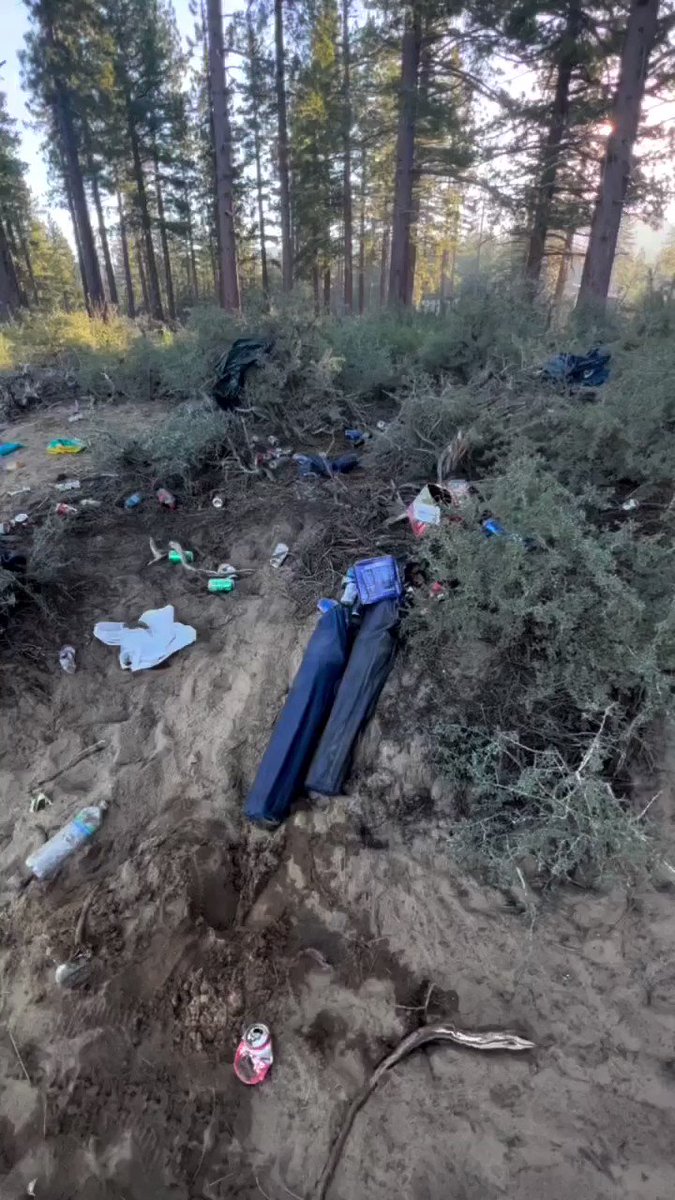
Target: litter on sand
[[47, 861], [9, 448], [279, 554], [254, 1056], [67, 659], [485, 1040], [66, 446], [318, 464], [156, 638]]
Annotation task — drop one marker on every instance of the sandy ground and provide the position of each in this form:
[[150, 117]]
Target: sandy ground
[[331, 930]]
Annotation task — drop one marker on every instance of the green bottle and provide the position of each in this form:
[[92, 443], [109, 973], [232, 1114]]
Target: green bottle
[[221, 585], [175, 557]]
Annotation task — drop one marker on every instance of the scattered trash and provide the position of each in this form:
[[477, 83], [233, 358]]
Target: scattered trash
[[232, 368], [31, 1186], [181, 556], [133, 500], [272, 457], [166, 498], [47, 861], [381, 425], [253, 1056], [10, 448], [67, 659], [65, 510], [494, 528], [19, 491], [356, 436], [423, 512], [158, 636], [350, 591], [228, 570], [318, 464], [378, 579], [66, 446], [279, 554], [217, 502], [76, 416], [485, 1040], [221, 585], [21, 518], [69, 485], [39, 801], [284, 764], [73, 973], [9, 561], [370, 661], [630, 505], [88, 502], [587, 370], [459, 490], [437, 591]]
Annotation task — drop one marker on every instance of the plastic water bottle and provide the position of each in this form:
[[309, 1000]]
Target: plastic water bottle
[[47, 861]]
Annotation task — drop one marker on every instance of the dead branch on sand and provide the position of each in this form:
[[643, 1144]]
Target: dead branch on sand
[[492, 1040]]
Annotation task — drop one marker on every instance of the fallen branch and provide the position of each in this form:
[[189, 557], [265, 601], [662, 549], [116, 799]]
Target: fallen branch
[[71, 763], [492, 1040]]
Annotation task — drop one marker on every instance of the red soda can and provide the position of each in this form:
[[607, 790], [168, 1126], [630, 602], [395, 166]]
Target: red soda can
[[253, 1057], [166, 498]]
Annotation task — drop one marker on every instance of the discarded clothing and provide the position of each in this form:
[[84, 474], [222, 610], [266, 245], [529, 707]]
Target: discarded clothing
[[584, 370], [66, 446], [295, 735], [370, 662], [231, 369], [158, 637], [9, 448], [318, 464]]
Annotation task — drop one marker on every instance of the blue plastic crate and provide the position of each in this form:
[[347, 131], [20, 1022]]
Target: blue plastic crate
[[378, 579]]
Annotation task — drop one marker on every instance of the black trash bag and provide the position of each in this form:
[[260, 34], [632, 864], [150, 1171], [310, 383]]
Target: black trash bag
[[231, 369], [284, 764], [370, 662], [585, 370]]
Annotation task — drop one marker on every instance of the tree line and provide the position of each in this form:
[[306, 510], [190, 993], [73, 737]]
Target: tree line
[[368, 156]]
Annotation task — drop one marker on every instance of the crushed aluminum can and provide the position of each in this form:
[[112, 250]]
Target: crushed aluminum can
[[65, 510], [228, 571], [74, 972], [217, 502], [279, 555], [630, 505], [165, 498], [253, 1057], [21, 519], [69, 485], [67, 659]]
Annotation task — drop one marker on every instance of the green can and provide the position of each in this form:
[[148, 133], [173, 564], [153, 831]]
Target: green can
[[175, 557], [221, 585]]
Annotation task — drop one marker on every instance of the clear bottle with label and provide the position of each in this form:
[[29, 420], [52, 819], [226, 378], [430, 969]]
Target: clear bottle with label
[[48, 860]]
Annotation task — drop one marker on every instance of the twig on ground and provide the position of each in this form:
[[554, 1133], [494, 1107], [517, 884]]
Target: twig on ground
[[82, 919], [493, 1040], [16, 1051], [71, 763]]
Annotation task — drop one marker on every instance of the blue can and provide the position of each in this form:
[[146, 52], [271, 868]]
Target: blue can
[[134, 500]]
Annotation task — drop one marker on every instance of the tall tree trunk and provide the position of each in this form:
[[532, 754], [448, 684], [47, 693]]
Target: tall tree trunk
[[65, 126], [384, 262], [282, 137], [257, 150], [128, 281], [78, 243], [191, 243], [229, 282], [563, 269], [316, 288], [103, 235], [405, 159], [347, 216], [9, 284], [554, 147], [326, 289], [14, 249], [164, 239], [143, 278], [362, 236], [25, 251], [617, 162], [91, 270], [154, 298]]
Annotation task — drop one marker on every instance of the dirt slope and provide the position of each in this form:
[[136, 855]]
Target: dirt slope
[[330, 930]]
